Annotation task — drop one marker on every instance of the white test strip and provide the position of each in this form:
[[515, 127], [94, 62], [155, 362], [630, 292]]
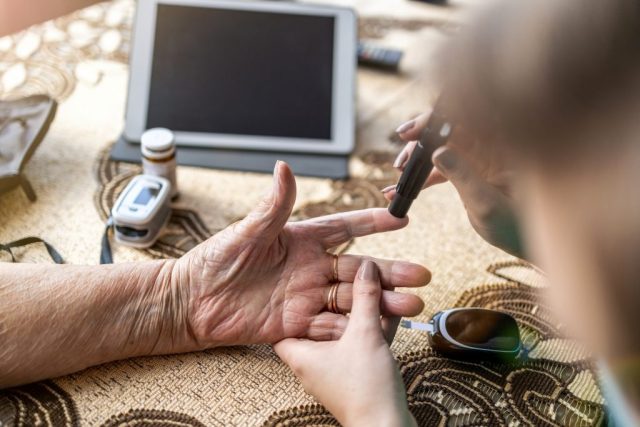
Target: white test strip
[[410, 324]]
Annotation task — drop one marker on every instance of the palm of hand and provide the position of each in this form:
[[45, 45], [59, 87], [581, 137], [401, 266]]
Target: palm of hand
[[262, 279], [264, 290]]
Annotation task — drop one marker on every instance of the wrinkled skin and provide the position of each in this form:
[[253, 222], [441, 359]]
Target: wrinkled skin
[[262, 279]]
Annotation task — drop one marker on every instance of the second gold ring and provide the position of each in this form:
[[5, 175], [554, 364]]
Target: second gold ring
[[332, 299]]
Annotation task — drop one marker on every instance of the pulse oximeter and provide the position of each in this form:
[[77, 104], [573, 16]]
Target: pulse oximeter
[[141, 211]]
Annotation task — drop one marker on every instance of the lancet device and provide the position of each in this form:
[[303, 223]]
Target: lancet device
[[420, 165]]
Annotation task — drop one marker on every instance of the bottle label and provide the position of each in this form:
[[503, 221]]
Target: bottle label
[[166, 169]]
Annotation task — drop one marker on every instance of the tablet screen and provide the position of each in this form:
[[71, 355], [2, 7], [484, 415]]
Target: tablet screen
[[242, 72]]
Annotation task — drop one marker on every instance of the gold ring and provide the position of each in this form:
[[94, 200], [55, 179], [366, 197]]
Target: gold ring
[[334, 277], [332, 299]]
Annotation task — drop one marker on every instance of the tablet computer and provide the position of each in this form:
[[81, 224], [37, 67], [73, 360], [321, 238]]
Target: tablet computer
[[255, 75]]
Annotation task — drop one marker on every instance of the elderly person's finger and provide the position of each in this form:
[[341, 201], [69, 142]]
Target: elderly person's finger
[[411, 129], [272, 213], [327, 326], [391, 304], [333, 230], [393, 274]]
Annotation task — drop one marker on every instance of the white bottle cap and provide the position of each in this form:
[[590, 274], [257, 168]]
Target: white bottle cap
[[157, 143]]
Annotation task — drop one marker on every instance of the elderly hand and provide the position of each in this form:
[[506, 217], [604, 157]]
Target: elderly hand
[[355, 377], [262, 279], [258, 281], [481, 176]]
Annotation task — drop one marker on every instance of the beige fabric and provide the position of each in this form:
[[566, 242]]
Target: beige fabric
[[228, 386]]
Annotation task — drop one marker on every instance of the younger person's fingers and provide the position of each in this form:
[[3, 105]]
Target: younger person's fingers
[[393, 274], [390, 327], [434, 178], [365, 310], [333, 230], [296, 353], [403, 156], [411, 129], [490, 211], [328, 326]]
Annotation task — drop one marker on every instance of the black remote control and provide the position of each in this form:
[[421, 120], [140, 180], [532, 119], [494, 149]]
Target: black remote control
[[374, 56]]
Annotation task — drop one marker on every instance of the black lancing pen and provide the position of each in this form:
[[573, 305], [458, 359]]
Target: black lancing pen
[[420, 165]]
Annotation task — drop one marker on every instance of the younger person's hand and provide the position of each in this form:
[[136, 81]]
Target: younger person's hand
[[480, 174], [356, 377]]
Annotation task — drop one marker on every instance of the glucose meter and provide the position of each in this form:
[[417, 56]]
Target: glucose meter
[[141, 211]]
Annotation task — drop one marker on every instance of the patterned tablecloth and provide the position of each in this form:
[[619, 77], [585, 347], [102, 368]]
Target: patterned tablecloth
[[81, 60]]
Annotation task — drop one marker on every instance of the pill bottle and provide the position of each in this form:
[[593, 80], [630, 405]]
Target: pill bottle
[[159, 155]]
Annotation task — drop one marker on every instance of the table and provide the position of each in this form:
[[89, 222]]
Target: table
[[81, 60]]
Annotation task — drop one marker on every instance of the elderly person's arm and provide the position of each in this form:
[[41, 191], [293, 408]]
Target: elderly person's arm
[[60, 319], [16, 15], [258, 281]]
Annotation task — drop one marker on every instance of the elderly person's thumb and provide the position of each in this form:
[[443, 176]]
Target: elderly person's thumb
[[272, 213]]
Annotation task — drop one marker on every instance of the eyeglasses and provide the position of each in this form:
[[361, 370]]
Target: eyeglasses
[[471, 333]]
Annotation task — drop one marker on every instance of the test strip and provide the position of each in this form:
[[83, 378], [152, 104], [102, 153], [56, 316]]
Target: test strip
[[410, 324]]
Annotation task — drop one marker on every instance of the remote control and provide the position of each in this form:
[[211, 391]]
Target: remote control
[[378, 57]]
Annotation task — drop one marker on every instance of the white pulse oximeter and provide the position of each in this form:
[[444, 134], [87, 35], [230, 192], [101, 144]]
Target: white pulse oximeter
[[141, 211]]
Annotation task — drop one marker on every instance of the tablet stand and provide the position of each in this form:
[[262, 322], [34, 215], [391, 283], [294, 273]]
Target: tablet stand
[[308, 164]]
